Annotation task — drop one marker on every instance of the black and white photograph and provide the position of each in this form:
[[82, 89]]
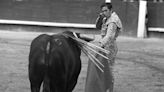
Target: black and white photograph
[[81, 45]]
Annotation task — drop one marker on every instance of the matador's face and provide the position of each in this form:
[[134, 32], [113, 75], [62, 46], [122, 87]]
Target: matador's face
[[106, 12]]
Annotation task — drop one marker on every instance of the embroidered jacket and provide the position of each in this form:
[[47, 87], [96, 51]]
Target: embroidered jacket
[[110, 29]]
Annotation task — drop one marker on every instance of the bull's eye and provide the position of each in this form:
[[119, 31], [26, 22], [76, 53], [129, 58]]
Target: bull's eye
[[57, 41]]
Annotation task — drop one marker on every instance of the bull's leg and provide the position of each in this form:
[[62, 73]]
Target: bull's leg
[[36, 76], [35, 87], [35, 82], [72, 85]]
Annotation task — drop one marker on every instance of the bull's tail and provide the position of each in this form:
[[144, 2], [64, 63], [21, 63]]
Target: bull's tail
[[46, 81]]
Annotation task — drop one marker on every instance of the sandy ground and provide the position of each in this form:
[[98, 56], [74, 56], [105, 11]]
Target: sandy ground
[[139, 64]]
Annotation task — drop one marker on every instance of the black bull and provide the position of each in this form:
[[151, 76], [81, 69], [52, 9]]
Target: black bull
[[54, 60]]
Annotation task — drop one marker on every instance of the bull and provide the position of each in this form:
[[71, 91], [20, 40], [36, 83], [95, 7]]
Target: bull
[[54, 61]]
